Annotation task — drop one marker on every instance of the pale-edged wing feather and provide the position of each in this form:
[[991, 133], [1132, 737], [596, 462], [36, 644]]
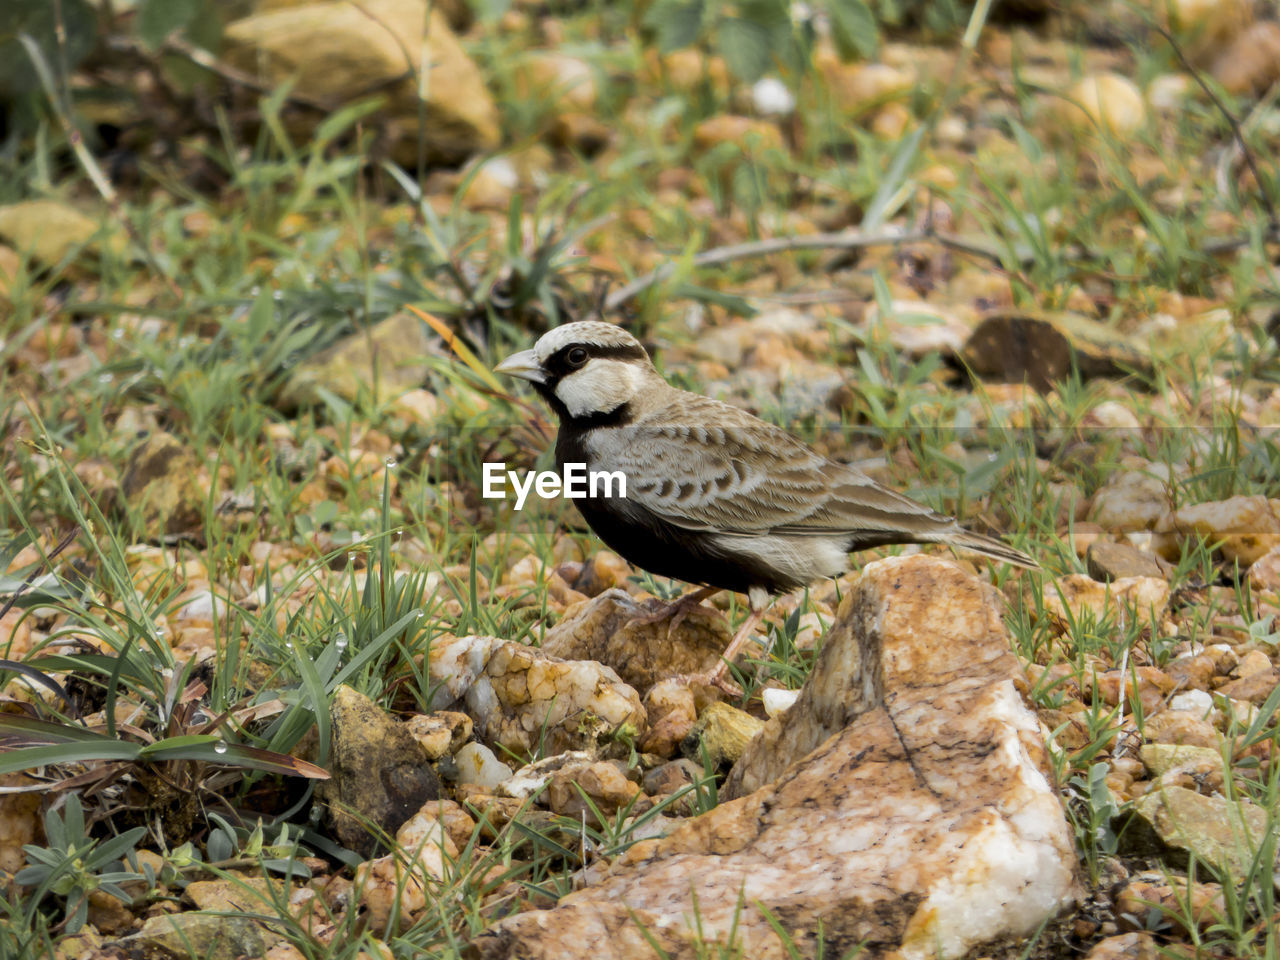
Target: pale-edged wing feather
[[706, 466]]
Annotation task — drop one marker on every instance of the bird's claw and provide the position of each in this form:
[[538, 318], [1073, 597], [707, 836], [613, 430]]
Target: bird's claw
[[711, 678], [674, 610]]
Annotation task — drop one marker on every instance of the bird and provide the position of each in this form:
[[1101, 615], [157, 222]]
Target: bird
[[715, 496]]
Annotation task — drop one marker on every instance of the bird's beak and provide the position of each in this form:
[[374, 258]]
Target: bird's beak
[[524, 365]]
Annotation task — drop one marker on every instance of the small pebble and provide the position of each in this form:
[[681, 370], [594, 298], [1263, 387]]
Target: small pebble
[[771, 97], [477, 764], [1193, 701], [1254, 662], [778, 701]]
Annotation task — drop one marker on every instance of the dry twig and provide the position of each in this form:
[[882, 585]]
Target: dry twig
[[1273, 219], [846, 240]]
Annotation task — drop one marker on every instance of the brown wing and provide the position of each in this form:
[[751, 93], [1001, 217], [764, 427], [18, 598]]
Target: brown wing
[[704, 465]]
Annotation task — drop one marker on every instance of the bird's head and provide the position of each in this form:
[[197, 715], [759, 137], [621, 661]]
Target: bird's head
[[586, 369]]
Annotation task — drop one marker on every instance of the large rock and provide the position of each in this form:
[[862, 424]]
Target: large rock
[[904, 802], [1127, 946], [440, 733], [587, 789], [917, 328], [671, 709], [1076, 596], [1264, 573], [1040, 350], [612, 629], [721, 736], [381, 774], [457, 12], [19, 818], [523, 700], [336, 52], [1205, 29], [185, 936], [1108, 562], [1225, 833], [1104, 104], [1135, 498], [402, 884], [10, 270], [162, 483], [378, 364], [1152, 899], [46, 229], [1244, 529], [1252, 63], [1171, 763]]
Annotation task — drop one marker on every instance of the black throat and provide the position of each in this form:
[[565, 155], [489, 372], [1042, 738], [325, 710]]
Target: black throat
[[616, 417], [571, 441]]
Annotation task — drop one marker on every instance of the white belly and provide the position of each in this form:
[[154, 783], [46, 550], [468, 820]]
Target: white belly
[[801, 559]]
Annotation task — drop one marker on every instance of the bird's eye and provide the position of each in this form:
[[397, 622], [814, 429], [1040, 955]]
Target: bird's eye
[[576, 357]]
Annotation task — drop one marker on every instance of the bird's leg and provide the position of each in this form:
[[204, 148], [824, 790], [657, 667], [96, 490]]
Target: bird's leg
[[759, 600], [717, 677], [677, 609]]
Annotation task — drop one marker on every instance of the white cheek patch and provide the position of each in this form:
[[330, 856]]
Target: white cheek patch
[[599, 387]]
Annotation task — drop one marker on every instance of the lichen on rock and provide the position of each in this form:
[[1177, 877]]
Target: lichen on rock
[[523, 700], [904, 804]]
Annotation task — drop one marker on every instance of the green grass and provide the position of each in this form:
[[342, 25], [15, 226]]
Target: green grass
[[355, 537]]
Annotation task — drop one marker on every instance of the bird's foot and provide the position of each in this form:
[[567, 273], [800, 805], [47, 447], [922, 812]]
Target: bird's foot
[[717, 677], [676, 610]]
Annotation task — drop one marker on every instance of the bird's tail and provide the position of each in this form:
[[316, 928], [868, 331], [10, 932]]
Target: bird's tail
[[987, 546]]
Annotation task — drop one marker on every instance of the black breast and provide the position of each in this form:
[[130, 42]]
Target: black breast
[[647, 541]]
